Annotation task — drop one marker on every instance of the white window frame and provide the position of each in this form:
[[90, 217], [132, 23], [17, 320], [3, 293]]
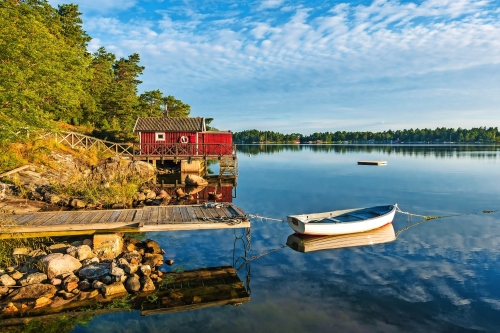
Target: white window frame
[[157, 136]]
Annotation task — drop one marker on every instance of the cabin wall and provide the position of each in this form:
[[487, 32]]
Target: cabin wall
[[150, 145], [216, 143]]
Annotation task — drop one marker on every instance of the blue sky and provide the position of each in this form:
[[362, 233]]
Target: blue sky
[[318, 65]]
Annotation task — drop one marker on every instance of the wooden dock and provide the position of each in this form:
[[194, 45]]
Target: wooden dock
[[372, 163], [150, 218]]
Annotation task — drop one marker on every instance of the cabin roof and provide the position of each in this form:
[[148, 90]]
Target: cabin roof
[[163, 124]]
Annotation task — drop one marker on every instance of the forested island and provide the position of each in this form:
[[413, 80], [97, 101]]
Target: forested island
[[438, 135]]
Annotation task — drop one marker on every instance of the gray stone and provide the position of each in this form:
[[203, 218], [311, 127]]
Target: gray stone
[[33, 279], [122, 262], [83, 252], [87, 242], [33, 291], [77, 243], [130, 268], [94, 271], [56, 264], [132, 255], [107, 279], [7, 281], [133, 284], [117, 271], [55, 281], [97, 284], [84, 285], [89, 261]]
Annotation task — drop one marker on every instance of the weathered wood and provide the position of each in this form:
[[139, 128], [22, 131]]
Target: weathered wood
[[181, 217]]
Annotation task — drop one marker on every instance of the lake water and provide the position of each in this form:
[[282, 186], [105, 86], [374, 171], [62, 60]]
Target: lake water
[[439, 276]]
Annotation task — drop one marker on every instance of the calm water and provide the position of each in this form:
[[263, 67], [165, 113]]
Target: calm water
[[440, 276]]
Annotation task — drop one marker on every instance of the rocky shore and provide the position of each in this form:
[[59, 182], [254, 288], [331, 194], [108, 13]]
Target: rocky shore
[[99, 267]]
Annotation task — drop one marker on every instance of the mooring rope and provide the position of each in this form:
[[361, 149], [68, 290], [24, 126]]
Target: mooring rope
[[265, 218], [433, 217]]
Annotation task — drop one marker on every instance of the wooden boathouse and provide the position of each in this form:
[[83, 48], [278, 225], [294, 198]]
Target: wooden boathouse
[[181, 139]]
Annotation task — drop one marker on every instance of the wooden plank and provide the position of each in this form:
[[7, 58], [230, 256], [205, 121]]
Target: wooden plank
[[70, 219], [163, 214], [114, 217], [52, 219], [130, 216], [198, 212], [138, 216], [38, 219], [193, 226], [186, 218], [105, 217], [146, 216], [177, 218], [80, 218], [62, 219], [22, 219], [154, 215], [92, 217]]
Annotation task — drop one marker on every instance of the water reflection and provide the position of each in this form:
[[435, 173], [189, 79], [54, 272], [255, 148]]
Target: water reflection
[[442, 151], [307, 243]]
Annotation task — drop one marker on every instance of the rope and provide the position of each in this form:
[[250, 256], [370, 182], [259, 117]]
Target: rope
[[265, 218]]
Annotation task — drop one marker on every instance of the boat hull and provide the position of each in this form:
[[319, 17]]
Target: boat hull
[[301, 223]]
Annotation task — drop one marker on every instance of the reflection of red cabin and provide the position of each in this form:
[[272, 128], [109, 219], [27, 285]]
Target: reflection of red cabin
[[181, 136]]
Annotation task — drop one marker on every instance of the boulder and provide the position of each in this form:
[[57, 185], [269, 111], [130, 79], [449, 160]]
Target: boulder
[[83, 252], [51, 198], [77, 203], [32, 292], [56, 264], [130, 268], [152, 246], [7, 281], [133, 283], [117, 271], [132, 255], [88, 242], [138, 196], [84, 285], [89, 261], [33, 278], [97, 284], [152, 259], [107, 246], [94, 271], [16, 275], [113, 289], [150, 194], [107, 279], [4, 290], [42, 301], [55, 281], [147, 284]]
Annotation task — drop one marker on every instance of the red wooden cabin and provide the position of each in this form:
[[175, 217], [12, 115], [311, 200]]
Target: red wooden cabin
[[181, 137]]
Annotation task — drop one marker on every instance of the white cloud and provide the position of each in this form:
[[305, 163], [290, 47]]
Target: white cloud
[[313, 57], [270, 4]]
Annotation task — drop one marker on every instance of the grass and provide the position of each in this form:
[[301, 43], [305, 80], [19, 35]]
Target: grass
[[8, 245]]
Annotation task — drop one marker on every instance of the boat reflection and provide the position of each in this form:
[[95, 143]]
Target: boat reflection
[[308, 243]]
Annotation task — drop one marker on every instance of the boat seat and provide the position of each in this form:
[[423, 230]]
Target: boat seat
[[330, 219]]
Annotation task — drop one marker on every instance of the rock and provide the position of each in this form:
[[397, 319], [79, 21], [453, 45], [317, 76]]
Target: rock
[[129, 247], [58, 248], [107, 246], [55, 281], [114, 288], [70, 286], [145, 270], [16, 275], [133, 284], [152, 246], [33, 291], [7, 281], [93, 293], [195, 180], [169, 262], [132, 255], [4, 290], [84, 285], [42, 301], [76, 243], [56, 264], [130, 268], [152, 259], [180, 193], [87, 242], [10, 308], [59, 301], [10, 269], [163, 195], [117, 271], [97, 284], [65, 294], [107, 279], [83, 252], [77, 203], [94, 271], [147, 284], [150, 195], [76, 291], [139, 197], [37, 254], [33, 279], [34, 195], [71, 251], [122, 262], [51, 198], [159, 273], [118, 205], [89, 261]]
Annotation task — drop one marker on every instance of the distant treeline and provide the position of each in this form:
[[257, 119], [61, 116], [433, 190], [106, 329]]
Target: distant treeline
[[441, 151], [438, 135]]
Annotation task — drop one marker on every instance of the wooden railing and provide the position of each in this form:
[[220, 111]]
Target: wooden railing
[[145, 150]]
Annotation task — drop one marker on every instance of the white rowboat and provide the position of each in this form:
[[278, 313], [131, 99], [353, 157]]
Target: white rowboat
[[341, 222], [309, 243]]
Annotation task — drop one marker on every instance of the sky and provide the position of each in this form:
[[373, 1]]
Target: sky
[[304, 66]]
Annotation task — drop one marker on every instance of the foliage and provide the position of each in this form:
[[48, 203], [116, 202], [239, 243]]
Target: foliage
[[440, 134], [60, 324]]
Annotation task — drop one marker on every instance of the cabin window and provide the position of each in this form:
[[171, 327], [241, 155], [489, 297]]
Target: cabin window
[[160, 136]]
